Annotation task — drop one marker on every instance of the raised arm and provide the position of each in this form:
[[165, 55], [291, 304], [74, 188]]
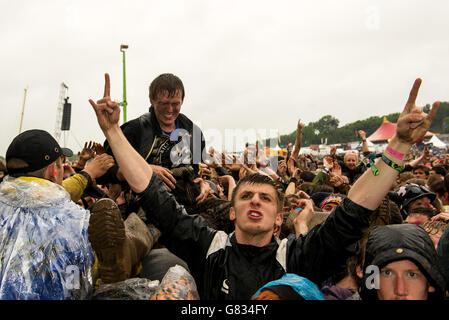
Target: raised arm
[[362, 135], [133, 167], [369, 190], [420, 159], [298, 140]]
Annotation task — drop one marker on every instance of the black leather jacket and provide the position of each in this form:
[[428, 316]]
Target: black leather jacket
[[147, 138], [224, 269]]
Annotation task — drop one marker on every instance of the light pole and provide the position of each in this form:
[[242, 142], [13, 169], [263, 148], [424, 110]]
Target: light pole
[[23, 109], [123, 47]]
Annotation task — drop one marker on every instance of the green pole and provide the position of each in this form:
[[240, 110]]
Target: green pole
[[124, 89]]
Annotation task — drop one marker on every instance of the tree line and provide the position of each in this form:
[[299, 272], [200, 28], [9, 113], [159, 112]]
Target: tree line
[[328, 127]]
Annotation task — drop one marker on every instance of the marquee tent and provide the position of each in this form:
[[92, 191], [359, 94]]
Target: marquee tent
[[437, 142], [386, 131]]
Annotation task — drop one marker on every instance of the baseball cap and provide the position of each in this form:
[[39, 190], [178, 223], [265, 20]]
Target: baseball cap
[[37, 148]]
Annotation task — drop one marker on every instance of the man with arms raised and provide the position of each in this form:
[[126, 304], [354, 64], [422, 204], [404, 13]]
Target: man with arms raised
[[235, 266]]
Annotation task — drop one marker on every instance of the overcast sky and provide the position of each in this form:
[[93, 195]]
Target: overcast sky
[[252, 65]]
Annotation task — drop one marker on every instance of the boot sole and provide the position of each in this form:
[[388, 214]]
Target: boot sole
[[107, 236]]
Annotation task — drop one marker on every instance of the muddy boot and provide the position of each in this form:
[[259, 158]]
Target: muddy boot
[[108, 238], [119, 246], [141, 239]]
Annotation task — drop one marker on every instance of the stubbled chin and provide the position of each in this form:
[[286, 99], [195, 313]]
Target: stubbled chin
[[168, 121]]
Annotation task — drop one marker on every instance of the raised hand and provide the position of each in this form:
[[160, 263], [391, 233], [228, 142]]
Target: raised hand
[[99, 165], [426, 153], [413, 123], [362, 134], [297, 173], [328, 162], [302, 220], [300, 126], [107, 111], [88, 152], [282, 167], [99, 148], [335, 170]]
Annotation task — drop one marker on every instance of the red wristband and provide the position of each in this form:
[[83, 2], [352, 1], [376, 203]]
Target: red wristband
[[395, 153]]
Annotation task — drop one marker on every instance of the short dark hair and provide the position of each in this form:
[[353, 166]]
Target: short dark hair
[[15, 164], [256, 178], [423, 168], [307, 176], [438, 187], [166, 82], [440, 169], [322, 188]]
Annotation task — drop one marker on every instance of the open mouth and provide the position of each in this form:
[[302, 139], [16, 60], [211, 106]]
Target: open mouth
[[254, 214]]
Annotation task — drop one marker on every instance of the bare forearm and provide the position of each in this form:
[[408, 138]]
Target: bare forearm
[[369, 190], [365, 146], [297, 146], [133, 167], [301, 228]]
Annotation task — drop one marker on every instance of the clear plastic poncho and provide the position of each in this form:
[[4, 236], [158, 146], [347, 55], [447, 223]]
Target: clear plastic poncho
[[44, 249], [177, 284]]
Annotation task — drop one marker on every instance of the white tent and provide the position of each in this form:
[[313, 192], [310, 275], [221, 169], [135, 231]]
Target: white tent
[[437, 142]]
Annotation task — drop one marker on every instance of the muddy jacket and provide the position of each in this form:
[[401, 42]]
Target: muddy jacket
[[182, 148], [224, 269]]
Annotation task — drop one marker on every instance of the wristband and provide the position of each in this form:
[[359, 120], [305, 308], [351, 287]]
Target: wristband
[[90, 181], [390, 163], [395, 153], [293, 179], [373, 168]]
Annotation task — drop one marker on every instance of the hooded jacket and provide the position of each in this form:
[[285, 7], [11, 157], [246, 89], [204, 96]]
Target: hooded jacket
[[396, 242], [226, 270]]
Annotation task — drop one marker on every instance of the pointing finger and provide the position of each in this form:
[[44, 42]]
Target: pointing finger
[[107, 85], [413, 94]]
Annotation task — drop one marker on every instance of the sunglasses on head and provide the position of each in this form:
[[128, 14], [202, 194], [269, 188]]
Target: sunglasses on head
[[415, 189]]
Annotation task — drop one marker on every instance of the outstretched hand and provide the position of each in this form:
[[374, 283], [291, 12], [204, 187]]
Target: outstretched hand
[[413, 123], [107, 111]]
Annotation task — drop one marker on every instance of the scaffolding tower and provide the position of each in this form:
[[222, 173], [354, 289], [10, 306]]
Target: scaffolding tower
[[62, 95]]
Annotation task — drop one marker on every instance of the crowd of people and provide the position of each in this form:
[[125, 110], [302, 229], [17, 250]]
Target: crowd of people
[[358, 226]]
